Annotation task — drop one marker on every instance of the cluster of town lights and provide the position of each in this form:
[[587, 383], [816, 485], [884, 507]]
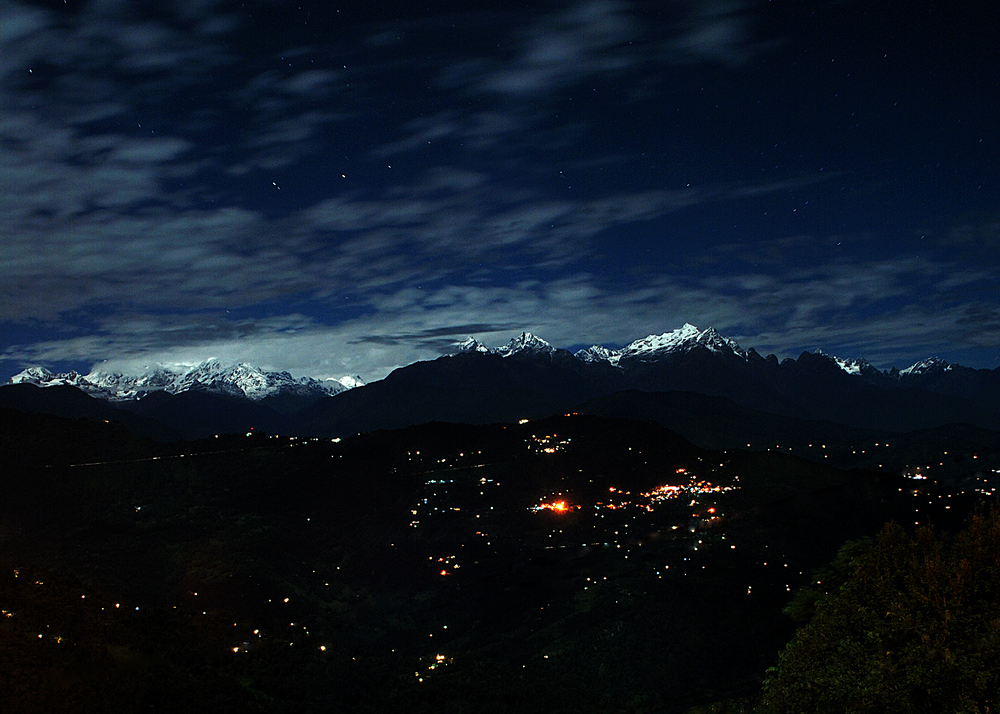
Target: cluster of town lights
[[661, 493], [668, 491], [555, 506]]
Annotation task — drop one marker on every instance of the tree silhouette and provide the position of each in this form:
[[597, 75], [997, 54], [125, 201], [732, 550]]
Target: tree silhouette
[[904, 624]]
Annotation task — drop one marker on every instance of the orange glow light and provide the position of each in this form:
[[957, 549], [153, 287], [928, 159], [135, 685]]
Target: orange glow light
[[557, 506]]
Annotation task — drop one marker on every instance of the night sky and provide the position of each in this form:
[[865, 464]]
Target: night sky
[[342, 188]]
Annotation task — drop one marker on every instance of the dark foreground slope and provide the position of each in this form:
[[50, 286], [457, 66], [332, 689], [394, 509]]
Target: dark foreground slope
[[948, 452], [419, 570], [467, 388], [71, 403]]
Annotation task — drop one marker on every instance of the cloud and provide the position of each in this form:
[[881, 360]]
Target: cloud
[[99, 231], [150, 92], [597, 41], [131, 175], [420, 133], [18, 21], [871, 309], [587, 39], [103, 184], [715, 31]]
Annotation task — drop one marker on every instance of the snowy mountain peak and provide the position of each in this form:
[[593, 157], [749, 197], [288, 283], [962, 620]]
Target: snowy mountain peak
[[931, 365], [682, 339], [852, 365], [44, 378], [32, 375], [598, 353], [470, 344], [349, 382], [526, 343], [654, 347]]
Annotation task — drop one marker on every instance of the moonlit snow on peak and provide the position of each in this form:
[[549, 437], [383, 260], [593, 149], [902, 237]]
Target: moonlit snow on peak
[[682, 339], [32, 375], [526, 343], [45, 378], [349, 382], [926, 366], [470, 344], [852, 365], [117, 387], [653, 347], [598, 353]]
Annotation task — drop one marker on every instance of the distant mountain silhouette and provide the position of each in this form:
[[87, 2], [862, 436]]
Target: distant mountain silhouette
[[71, 403], [197, 414], [28, 439], [718, 422], [479, 387], [471, 387], [822, 390]]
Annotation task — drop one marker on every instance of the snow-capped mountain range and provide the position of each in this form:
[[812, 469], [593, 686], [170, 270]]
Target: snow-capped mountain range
[[648, 348], [529, 378], [928, 366], [253, 383], [242, 380], [680, 341]]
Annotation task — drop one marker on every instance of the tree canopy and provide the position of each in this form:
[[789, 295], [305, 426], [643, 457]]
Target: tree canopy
[[899, 624]]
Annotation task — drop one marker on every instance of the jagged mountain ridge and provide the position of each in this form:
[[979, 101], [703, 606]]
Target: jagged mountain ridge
[[528, 377], [238, 380], [684, 339], [648, 348], [248, 381], [681, 340]]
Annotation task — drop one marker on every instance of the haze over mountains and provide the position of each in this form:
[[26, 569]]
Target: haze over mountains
[[529, 378]]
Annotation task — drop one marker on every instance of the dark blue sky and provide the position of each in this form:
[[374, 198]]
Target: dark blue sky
[[340, 189]]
